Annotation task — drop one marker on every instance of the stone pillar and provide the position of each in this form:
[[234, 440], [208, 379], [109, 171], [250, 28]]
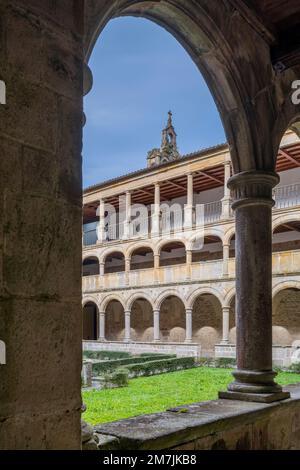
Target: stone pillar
[[127, 326], [101, 235], [189, 257], [156, 326], [127, 216], [226, 315], [127, 270], [101, 269], [102, 326], [189, 207], [254, 377], [225, 259], [155, 231], [156, 268], [226, 201], [189, 332]]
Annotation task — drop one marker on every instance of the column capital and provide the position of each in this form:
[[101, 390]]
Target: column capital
[[127, 312], [189, 311], [251, 188]]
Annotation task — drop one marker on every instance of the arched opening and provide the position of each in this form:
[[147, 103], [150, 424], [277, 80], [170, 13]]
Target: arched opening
[[207, 323], [114, 263], [90, 321], [141, 321], [210, 250], [172, 320], [232, 247], [232, 322], [90, 266], [114, 321], [173, 253], [142, 258], [286, 317], [286, 237]]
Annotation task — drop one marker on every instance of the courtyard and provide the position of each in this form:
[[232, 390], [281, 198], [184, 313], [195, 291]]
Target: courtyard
[[158, 393]]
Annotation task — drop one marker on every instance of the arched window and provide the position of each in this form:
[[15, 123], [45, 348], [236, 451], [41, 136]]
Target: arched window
[[114, 263], [142, 258], [173, 253], [209, 250], [90, 267], [90, 321]]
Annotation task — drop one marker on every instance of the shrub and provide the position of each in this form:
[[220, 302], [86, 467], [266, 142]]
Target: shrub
[[106, 355], [225, 362], [118, 378], [160, 366], [295, 368], [106, 366]]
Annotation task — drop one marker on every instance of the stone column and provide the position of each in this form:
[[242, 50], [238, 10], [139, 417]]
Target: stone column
[[156, 326], [127, 216], [127, 270], [156, 268], [226, 201], [102, 326], [127, 326], [189, 257], [225, 259], [155, 231], [226, 314], [189, 207], [254, 377], [189, 332], [101, 268], [101, 227]]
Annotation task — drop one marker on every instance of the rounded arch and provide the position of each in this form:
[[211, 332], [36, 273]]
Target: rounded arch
[[164, 295], [166, 242], [109, 252], [198, 28], [114, 261], [285, 285], [142, 257], [204, 291], [285, 219], [109, 298], [142, 320], [229, 235], [131, 249], [91, 266], [137, 296], [231, 294], [90, 255], [90, 319], [90, 298], [211, 232]]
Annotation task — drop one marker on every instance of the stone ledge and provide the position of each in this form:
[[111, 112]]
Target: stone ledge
[[191, 423]]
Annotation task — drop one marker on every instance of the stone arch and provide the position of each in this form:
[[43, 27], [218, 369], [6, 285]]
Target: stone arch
[[110, 251], [90, 266], [136, 296], [285, 219], [114, 319], [172, 252], [200, 30], [228, 235], [131, 249], [144, 251], [286, 313], [91, 254], [165, 242], [90, 319], [164, 295], [105, 301], [286, 233], [142, 322], [207, 321], [114, 261], [210, 248], [172, 319], [204, 291]]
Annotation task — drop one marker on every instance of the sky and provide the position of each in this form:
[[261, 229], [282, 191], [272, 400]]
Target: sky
[[141, 72]]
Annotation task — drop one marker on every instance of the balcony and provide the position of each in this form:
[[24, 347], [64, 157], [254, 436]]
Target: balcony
[[285, 197], [286, 262]]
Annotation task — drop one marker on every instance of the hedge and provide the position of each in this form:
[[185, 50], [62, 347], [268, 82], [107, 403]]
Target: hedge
[[160, 366], [107, 366], [105, 355]]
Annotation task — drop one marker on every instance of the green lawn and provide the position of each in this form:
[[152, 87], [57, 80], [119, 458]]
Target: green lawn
[[157, 393]]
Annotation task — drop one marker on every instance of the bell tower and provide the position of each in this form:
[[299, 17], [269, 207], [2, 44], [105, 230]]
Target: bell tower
[[168, 150]]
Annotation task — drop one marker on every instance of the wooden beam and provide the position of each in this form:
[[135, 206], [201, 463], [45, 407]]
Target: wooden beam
[[289, 157], [177, 185], [208, 175]]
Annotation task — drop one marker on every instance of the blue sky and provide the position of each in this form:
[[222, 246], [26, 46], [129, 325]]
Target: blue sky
[[140, 73]]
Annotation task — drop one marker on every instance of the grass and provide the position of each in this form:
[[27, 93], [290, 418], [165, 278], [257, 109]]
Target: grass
[[157, 393]]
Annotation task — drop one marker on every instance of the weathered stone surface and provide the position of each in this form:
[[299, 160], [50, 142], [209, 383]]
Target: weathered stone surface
[[221, 424]]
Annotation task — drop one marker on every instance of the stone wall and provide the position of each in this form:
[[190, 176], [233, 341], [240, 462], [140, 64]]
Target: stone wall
[[41, 223], [215, 425]]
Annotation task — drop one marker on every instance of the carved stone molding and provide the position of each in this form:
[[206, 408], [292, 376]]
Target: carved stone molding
[[252, 188]]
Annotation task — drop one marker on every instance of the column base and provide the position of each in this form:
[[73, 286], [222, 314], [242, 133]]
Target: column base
[[256, 386], [188, 341], [255, 397]]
